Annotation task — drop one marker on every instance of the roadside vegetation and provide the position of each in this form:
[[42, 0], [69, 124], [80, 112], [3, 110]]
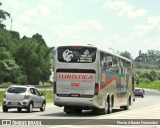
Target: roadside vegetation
[[149, 80]]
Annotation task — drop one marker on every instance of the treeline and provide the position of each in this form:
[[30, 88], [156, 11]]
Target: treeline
[[23, 60], [149, 60]]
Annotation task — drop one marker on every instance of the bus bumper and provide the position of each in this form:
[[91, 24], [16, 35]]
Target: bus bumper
[[76, 101]]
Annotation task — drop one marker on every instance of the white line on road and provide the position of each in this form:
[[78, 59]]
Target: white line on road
[[141, 112]]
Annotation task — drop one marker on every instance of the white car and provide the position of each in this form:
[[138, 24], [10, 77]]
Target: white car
[[23, 97]]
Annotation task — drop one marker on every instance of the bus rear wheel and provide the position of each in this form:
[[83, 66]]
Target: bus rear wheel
[[101, 111], [109, 107]]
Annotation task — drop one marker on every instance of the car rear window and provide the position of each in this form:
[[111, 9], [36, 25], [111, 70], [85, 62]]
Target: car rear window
[[16, 90], [138, 89]]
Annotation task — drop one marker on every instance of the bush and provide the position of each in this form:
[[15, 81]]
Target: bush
[[144, 80], [152, 75], [5, 85]]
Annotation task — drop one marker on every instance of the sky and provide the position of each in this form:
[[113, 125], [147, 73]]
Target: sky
[[121, 25]]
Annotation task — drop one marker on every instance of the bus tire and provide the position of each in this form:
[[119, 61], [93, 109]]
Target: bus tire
[[104, 110], [109, 107], [68, 113], [78, 110], [67, 110]]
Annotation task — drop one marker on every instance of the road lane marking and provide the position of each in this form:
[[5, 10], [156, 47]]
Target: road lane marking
[[143, 111]]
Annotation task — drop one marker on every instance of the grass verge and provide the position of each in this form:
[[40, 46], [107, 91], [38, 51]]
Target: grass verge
[[144, 83]]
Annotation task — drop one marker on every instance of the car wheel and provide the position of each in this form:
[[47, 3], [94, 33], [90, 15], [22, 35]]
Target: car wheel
[[43, 106], [5, 108], [30, 107], [19, 109]]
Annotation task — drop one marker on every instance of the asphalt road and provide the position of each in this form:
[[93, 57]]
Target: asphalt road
[[143, 108]]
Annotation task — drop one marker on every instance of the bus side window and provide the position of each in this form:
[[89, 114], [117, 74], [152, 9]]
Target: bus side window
[[115, 65], [105, 62], [121, 67], [108, 62], [127, 66], [102, 59]]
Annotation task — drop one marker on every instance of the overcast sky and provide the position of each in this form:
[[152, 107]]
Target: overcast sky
[[123, 25]]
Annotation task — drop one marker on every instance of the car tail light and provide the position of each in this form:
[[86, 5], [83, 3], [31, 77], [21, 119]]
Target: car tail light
[[54, 87], [26, 96], [4, 96], [96, 89]]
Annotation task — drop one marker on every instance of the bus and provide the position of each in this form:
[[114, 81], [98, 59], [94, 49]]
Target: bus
[[88, 78]]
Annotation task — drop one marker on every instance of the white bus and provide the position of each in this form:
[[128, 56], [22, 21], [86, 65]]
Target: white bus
[[86, 77]]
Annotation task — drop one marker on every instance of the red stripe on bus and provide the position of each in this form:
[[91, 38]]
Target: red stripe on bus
[[108, 82]]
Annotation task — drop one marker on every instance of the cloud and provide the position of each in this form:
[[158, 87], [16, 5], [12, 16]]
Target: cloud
[[77, 29], [33, 13], [154, 21], [90, 24], [35, 18], [12, 4], [116, 41], [52, 3], [152, 25], [124, 9]]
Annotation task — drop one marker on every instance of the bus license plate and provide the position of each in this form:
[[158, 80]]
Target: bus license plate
[[75, 95]]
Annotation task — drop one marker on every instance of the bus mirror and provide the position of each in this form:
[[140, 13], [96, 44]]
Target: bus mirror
[[137, 81], [132, 80]]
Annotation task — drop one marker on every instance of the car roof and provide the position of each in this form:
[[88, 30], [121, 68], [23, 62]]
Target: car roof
[[23, 86], [139, 88]]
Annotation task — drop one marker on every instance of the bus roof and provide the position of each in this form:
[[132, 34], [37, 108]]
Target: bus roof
[[105, 51], [115, 54]]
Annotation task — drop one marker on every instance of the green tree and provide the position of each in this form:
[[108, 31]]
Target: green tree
[[149, 60], [44, 55], [39, 39], [34, 59], [5, 39], [7, 66], [126, 54], [152, 56], [3, 16]]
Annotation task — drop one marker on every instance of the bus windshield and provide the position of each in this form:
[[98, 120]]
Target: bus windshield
[[71, 54]]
